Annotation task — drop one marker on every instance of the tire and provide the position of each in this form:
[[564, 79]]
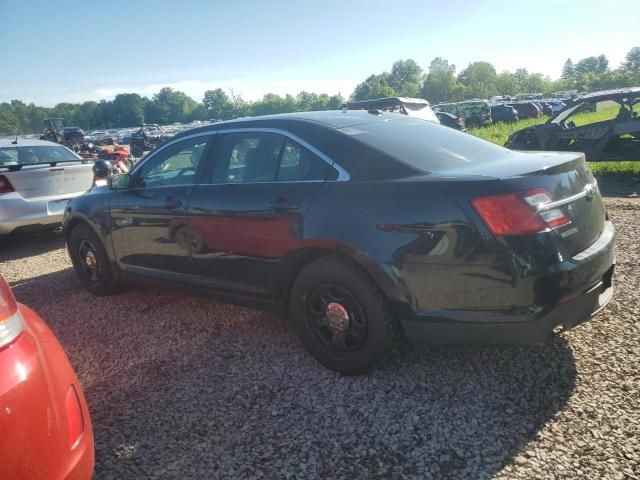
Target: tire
[[85, 247], [351, 337]]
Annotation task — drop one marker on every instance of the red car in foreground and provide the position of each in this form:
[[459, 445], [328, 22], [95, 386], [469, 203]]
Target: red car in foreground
[[45, 430]]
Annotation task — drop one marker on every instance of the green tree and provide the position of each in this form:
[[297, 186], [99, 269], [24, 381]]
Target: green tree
[[375, 86], [568, 70], [335, 101], [218, 105], [170, 106], [9, 121], [588, 65], [128, 110], [632, 61], [603, 64], [440, 81], [480, 78], [406, 78], [272, 103], [507, 84]]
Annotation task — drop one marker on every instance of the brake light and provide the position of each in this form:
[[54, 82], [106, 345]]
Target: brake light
[[11, 325], [5, 185], [517, 213], [75, 422]]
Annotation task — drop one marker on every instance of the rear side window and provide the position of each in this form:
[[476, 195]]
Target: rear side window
[[424, 145], [267, 157], [299, 164], [248, 157]]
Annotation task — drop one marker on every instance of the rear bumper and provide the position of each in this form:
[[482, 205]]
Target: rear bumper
[[17, 211], [588, 282]]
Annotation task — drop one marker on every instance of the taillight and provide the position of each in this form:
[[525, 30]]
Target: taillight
[[75, 422], [10, 319], [5, 185], [517, 213]]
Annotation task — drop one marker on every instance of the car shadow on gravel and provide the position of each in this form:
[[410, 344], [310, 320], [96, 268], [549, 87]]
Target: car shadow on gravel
[[182, 386], [18, 245]]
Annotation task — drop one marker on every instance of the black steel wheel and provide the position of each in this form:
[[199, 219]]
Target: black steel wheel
[[90, 261], [340, 315], [336, 318]]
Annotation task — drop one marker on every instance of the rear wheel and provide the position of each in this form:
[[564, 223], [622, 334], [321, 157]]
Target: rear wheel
[[90, 261], [340, 316]]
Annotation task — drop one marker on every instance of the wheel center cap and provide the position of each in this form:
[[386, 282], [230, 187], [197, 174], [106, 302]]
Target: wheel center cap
[[337, 317], [90, 259]]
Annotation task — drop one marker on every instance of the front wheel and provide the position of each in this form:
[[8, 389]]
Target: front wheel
[[90, 261], [340, 316]]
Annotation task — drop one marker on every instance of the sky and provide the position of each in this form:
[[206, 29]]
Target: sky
[[73, 51]]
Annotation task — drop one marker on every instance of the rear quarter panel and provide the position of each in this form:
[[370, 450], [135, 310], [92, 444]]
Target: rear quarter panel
[[417, 239]]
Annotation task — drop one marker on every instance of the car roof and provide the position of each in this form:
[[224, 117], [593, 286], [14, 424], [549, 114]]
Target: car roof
[[614, 94], [25, 142], [336, 119]]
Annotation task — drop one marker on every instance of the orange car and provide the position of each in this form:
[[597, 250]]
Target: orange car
[[45, 430]]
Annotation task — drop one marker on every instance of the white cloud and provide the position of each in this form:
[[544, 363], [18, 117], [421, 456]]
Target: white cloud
[[249, 89]]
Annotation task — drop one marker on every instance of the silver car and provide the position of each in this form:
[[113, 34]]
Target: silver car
[[37, 179]]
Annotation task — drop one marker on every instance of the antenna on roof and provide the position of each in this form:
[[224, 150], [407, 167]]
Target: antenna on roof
[[15, 142]]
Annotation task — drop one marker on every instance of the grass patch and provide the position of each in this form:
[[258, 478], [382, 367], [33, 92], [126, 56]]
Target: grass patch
[[613, 168], [499, 133]]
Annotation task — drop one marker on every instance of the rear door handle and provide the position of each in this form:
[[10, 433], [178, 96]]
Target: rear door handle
[[172, 203], [283, 205]]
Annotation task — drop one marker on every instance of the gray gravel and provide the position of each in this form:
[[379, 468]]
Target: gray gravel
[[185, 387]]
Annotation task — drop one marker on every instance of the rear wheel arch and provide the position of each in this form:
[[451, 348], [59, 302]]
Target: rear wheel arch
[[369, 268]]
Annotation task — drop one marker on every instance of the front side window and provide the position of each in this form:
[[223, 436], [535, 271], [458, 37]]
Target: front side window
[[266, 157], [176, 164]]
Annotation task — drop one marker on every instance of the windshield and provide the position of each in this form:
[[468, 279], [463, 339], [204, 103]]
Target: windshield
[[16, 155], [425, 146]]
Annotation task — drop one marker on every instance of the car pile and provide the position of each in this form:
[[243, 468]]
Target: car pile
[[614, 138]]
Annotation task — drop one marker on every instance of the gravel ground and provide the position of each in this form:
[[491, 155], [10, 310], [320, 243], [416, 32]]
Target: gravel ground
[[184, 387]]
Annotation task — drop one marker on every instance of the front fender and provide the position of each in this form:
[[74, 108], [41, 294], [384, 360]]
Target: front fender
[[91, 209]]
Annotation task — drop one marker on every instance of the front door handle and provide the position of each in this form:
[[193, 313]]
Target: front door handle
[[283, 205], [172, 203]]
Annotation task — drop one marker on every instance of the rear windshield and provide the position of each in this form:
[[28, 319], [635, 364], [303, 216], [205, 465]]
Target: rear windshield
[[424, 145], [17, 155]]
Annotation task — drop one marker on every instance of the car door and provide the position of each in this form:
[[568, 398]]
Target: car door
[[252, 213], [149, 216]]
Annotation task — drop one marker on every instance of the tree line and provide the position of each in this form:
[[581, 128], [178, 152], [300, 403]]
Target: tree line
[[440, 83]]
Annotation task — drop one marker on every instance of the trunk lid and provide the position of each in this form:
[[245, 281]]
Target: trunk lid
[[566, 177], [46, 180]]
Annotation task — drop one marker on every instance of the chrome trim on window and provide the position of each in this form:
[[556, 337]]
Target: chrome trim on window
[[343, 175], [589, 191]]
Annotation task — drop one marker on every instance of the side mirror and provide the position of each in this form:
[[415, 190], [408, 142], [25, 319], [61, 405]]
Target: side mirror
[[119, 182]]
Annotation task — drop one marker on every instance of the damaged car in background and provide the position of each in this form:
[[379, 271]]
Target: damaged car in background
[[615, 135]]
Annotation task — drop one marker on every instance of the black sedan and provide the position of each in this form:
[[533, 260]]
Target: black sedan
[[357, 225]]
